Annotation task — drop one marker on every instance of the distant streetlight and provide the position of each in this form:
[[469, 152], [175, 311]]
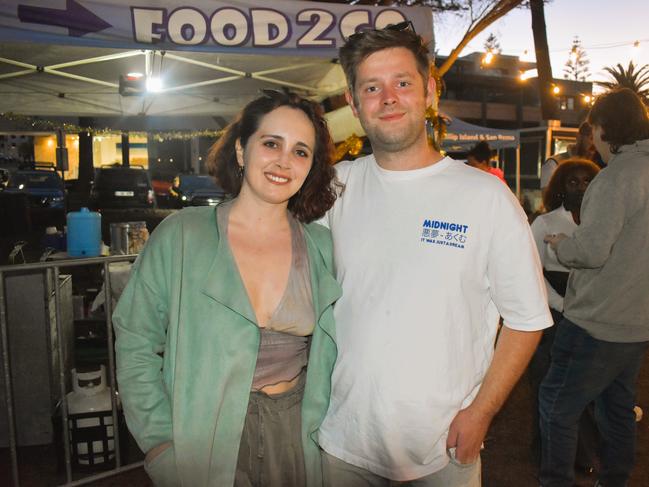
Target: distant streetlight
[[487, 58]]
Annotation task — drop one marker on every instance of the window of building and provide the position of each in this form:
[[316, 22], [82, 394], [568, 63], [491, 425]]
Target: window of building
[[567, 103]]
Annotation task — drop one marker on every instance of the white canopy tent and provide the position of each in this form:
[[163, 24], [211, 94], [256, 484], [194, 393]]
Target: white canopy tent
[[66, 59], [80, 81]]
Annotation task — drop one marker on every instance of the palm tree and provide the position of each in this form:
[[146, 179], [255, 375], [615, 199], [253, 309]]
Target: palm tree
[[633, 77]]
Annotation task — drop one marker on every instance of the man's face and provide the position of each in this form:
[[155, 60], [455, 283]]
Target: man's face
[[601, 145], [588, 143], [391, 99]]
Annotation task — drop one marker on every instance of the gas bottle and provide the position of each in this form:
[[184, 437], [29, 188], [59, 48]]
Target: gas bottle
[[90, 395]]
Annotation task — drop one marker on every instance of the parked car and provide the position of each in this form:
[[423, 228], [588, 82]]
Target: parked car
[[122, 187], [42, 185], [195, 190]]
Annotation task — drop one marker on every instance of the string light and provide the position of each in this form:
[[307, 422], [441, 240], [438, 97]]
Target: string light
[[39, 124], [610, 45]]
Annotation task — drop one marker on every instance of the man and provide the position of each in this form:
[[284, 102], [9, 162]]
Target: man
[[429, 252], [480, 157], [601, 343]]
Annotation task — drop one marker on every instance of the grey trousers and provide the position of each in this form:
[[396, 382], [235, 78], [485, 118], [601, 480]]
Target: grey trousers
[[270, 453], [338, 473]]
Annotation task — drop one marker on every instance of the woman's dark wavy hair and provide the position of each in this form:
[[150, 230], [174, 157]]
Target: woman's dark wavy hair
[[622, 116], [554, 192], [319, 190]]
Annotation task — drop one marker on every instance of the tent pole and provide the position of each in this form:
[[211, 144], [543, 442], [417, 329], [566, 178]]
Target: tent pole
[[518, 171]]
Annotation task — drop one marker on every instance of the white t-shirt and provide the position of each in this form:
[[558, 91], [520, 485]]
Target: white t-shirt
[[547, 170], [556, 221], [427, 259]]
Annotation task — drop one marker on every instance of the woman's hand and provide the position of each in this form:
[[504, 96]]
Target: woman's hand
[[554, 239], [155, 451]]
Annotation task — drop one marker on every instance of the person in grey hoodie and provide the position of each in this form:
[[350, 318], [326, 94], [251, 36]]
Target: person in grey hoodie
[[600, 344]]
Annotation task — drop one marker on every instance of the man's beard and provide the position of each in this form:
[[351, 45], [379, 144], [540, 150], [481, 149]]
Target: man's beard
[[384, 139]]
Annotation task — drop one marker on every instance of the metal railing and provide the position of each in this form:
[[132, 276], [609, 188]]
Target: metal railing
[[51, 271]]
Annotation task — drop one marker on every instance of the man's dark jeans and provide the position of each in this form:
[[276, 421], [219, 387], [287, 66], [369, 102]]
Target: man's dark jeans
[[585, 369]]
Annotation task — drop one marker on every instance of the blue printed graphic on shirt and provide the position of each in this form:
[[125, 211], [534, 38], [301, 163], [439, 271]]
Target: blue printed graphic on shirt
[[444, 233]]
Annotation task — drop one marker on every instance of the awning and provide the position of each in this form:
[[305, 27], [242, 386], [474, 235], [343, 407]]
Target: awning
[[65, 57], [461, 136]]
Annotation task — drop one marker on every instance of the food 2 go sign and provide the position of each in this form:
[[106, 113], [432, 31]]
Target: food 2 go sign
[[255, 27]]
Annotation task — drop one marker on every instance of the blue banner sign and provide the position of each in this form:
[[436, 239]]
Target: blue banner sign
[[286, 28]]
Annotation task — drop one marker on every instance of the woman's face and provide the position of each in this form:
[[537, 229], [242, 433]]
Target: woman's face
[[578, 181], [601, 146], [277, 158], [576, 184]]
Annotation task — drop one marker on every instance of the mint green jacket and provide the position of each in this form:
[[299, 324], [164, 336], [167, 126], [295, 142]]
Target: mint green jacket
[[186, 348]]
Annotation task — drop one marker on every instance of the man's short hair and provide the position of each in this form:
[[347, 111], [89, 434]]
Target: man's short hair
[[481, 152], [361, 45]]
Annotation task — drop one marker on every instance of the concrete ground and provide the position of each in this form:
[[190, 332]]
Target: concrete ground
[[507, 460]]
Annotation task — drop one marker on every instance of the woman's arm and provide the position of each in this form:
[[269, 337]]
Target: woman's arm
[[539, 231], [140, 321]]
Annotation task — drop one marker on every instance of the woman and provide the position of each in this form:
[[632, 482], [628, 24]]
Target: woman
[[562, 201], [224, 305], [603, 337]]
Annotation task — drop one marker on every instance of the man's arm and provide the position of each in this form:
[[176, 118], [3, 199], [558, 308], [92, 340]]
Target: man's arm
[[603, 214], [514, 350]]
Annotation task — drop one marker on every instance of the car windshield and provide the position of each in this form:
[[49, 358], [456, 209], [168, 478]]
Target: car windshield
[[36, 179], [197, 182], [112, 178]]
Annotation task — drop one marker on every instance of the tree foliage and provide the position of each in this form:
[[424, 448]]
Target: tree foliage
[[576, 67], [633, 77], [492, 45]]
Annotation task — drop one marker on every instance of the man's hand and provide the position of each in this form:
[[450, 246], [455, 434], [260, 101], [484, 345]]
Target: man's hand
[[554, 239], [467, 432], [469, 427], [155, 451]]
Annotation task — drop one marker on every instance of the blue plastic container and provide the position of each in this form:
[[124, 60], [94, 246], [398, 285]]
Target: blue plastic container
[[84, 233]]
